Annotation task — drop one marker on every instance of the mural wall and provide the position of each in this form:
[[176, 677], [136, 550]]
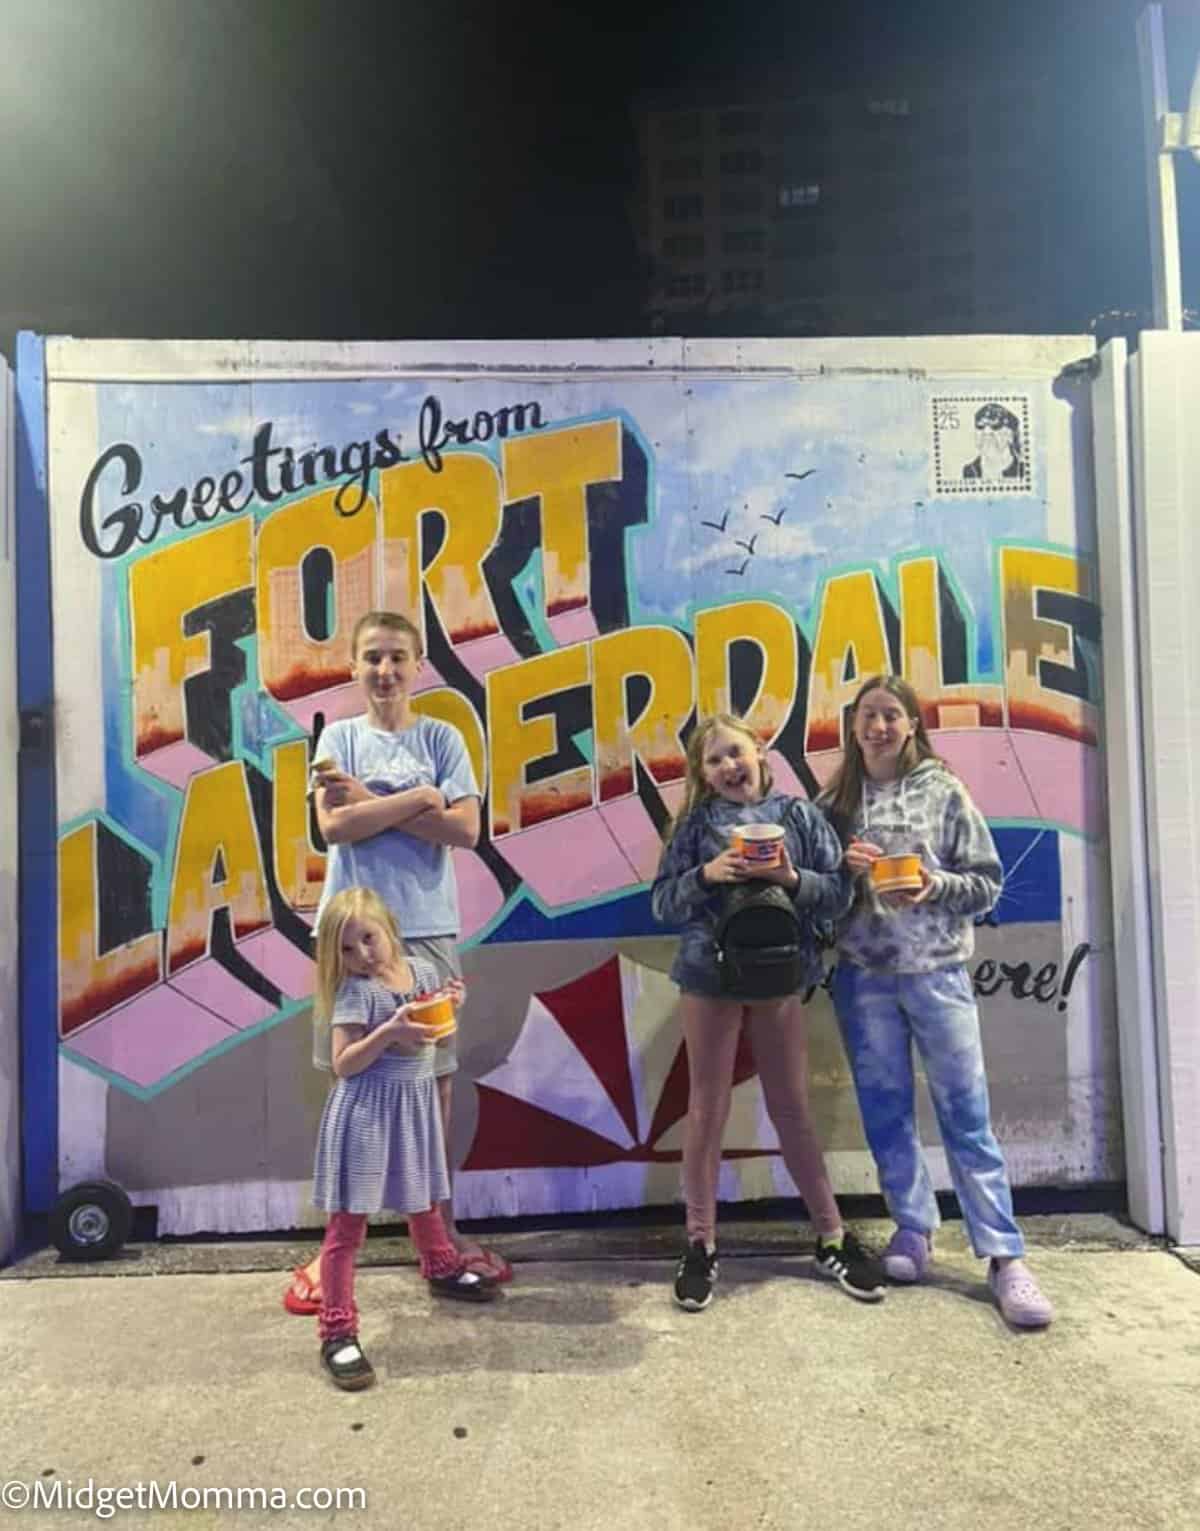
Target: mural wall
[[598, 543]]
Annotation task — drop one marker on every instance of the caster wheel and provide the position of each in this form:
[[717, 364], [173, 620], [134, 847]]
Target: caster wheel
[[91, 1221]]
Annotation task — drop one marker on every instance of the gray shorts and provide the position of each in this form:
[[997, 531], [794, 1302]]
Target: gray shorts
[[442, 952]]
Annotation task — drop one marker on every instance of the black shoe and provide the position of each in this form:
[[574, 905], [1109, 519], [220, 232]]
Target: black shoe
[[466, 1286], [855, 1269], [343, 1359], [694, 1277]]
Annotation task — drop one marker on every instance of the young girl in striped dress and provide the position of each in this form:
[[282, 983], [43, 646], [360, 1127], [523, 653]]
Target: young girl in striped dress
[[380, 1143]]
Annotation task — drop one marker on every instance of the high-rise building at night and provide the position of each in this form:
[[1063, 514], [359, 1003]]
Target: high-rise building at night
[[894, 212]]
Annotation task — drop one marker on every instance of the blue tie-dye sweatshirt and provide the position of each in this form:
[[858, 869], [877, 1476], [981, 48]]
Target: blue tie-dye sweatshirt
[[928, 812], [679, 898]]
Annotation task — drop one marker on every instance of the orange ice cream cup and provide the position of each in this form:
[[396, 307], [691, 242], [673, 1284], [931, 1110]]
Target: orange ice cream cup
[[893, 874], [760, 843], [435, 1011]]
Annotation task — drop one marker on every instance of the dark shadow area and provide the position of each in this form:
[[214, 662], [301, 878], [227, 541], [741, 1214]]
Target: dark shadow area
[[294, 169]]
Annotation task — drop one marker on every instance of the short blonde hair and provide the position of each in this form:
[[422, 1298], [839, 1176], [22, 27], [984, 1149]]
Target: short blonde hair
[[349, 904], [393, 621]]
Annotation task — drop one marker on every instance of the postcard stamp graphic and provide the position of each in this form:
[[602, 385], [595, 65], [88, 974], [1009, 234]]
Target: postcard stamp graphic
[[980, 444]]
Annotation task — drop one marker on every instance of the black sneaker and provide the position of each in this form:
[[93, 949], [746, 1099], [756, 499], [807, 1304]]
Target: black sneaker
[[343, 1359], [855, 1269], [464, 1286], [694, 1277]]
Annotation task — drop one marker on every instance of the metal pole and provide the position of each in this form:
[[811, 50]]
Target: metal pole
[[1160, 177]]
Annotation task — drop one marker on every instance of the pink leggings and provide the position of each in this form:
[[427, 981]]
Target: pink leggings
[[344, 1236], [779, 1037]]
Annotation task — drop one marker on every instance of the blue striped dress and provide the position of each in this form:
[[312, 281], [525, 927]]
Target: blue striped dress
[[380, 1144]]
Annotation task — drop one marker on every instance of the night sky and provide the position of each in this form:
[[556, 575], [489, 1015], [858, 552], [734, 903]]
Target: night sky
[[344, 169]]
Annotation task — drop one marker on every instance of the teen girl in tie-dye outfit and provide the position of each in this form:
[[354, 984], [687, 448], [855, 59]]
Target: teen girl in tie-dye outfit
[[902, 978]]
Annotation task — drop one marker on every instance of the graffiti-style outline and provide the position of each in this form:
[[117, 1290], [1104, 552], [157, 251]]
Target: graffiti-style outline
[[527, 588]]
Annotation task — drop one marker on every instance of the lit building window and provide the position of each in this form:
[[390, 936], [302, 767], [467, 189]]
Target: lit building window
[[800, 195]]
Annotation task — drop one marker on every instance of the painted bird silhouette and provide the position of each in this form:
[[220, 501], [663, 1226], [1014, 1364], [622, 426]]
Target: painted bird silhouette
[[742, 570], [717, 526], [749, 546], [808, 473], [774, 520]]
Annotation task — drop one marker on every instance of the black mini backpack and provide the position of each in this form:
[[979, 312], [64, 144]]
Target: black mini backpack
[[758, 940]]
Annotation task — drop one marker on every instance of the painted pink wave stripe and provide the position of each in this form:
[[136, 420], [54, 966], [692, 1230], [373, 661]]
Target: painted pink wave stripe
[[569, 859], [336, 702], [1012, 774], [291, 971], [176, 763], [484, 654], [1017, 774], [633, 830], [480, 897], [151, 1036], [573, 627], [210, 985]]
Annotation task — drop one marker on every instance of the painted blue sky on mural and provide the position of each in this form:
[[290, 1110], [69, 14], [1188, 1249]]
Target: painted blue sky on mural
[[757, 488]]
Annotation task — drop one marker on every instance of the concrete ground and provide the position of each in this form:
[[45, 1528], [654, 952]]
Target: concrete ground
[[584, 1400]]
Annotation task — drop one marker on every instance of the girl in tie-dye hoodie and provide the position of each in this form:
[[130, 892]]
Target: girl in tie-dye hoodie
[[902, 979]]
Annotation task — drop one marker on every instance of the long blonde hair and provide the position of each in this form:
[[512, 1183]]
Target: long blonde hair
[[349, 904], [843, 794], [697, 789]]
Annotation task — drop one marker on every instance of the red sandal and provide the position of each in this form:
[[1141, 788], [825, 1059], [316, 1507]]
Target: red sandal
[[489, 1264], [302, 1296]]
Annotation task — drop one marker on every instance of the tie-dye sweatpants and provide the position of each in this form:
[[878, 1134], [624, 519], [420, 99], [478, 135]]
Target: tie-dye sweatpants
[[881, 1016]]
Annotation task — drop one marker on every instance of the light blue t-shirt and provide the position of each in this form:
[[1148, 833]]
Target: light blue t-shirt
[[415, 878]]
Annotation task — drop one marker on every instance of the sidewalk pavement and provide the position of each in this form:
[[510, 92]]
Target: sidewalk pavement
[[585, 1401]]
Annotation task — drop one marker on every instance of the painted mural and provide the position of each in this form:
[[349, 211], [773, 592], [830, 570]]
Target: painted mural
[[593, 560]]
